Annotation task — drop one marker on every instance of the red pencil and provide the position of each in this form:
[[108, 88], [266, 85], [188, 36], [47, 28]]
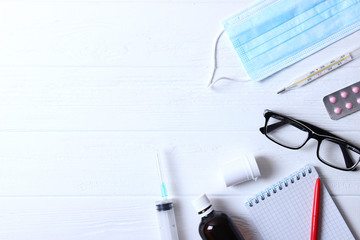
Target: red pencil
[[315, 214]]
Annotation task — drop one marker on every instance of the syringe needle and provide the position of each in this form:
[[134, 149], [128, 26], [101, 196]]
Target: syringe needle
[[163, 188], [158, 167]]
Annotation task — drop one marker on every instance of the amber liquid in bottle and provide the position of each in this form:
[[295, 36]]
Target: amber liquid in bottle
[[218, 226], [215, 225]]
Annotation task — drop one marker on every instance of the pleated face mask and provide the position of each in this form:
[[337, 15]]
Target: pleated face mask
[[274, 34]]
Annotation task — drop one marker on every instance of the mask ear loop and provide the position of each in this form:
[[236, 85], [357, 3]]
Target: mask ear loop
[[212, 81]]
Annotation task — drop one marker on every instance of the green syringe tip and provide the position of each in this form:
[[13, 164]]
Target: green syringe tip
[[163, 190]]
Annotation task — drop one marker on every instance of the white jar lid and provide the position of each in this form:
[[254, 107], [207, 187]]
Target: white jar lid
[[243, 169]]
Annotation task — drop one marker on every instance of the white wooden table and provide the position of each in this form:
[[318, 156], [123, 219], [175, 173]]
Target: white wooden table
[[90, 90]]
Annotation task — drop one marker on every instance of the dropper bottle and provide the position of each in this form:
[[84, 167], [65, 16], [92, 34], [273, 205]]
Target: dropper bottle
[[215, 225], [165, 211]]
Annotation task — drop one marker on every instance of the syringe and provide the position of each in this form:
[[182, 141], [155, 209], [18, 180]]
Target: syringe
[[165, 211]]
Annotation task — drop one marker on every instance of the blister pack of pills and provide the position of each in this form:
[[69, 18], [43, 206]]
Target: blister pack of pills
[[343, 102]]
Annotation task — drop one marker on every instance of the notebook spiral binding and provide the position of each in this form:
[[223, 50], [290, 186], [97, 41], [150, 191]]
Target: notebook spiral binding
[[280, 186]]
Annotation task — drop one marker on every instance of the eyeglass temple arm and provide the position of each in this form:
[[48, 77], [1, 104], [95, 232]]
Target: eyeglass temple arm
[[274, 126], [348, 161]]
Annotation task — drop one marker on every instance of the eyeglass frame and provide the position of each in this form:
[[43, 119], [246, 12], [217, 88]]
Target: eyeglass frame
[[318, 134]]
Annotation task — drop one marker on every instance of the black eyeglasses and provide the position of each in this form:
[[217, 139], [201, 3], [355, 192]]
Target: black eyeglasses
[[294, 134]]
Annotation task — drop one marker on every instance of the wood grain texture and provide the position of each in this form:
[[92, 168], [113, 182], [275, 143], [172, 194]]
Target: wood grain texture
[[120, 217], [124, 163], [90, 90]]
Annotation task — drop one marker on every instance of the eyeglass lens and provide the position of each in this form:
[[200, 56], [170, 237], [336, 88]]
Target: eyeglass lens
[[286, 132], [337, 154]]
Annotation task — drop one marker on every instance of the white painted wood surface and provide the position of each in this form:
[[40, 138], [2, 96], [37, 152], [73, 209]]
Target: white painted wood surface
[[90, 90]]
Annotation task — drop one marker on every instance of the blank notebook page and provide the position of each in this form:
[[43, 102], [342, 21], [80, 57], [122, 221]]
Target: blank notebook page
[[284, 211]]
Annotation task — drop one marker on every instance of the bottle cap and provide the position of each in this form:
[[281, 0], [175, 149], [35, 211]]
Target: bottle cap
[[243, 169], [202, 203]]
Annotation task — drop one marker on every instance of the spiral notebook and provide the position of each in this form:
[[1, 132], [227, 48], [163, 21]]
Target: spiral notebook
[[284, 210]]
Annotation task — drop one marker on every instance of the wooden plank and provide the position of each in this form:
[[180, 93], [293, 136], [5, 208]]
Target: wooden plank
[[85, 218], [147, 99], [124, 163], [126, 34], [109, 34]]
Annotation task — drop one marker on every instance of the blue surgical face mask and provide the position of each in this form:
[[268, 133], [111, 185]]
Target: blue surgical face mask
[[274, 34]]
